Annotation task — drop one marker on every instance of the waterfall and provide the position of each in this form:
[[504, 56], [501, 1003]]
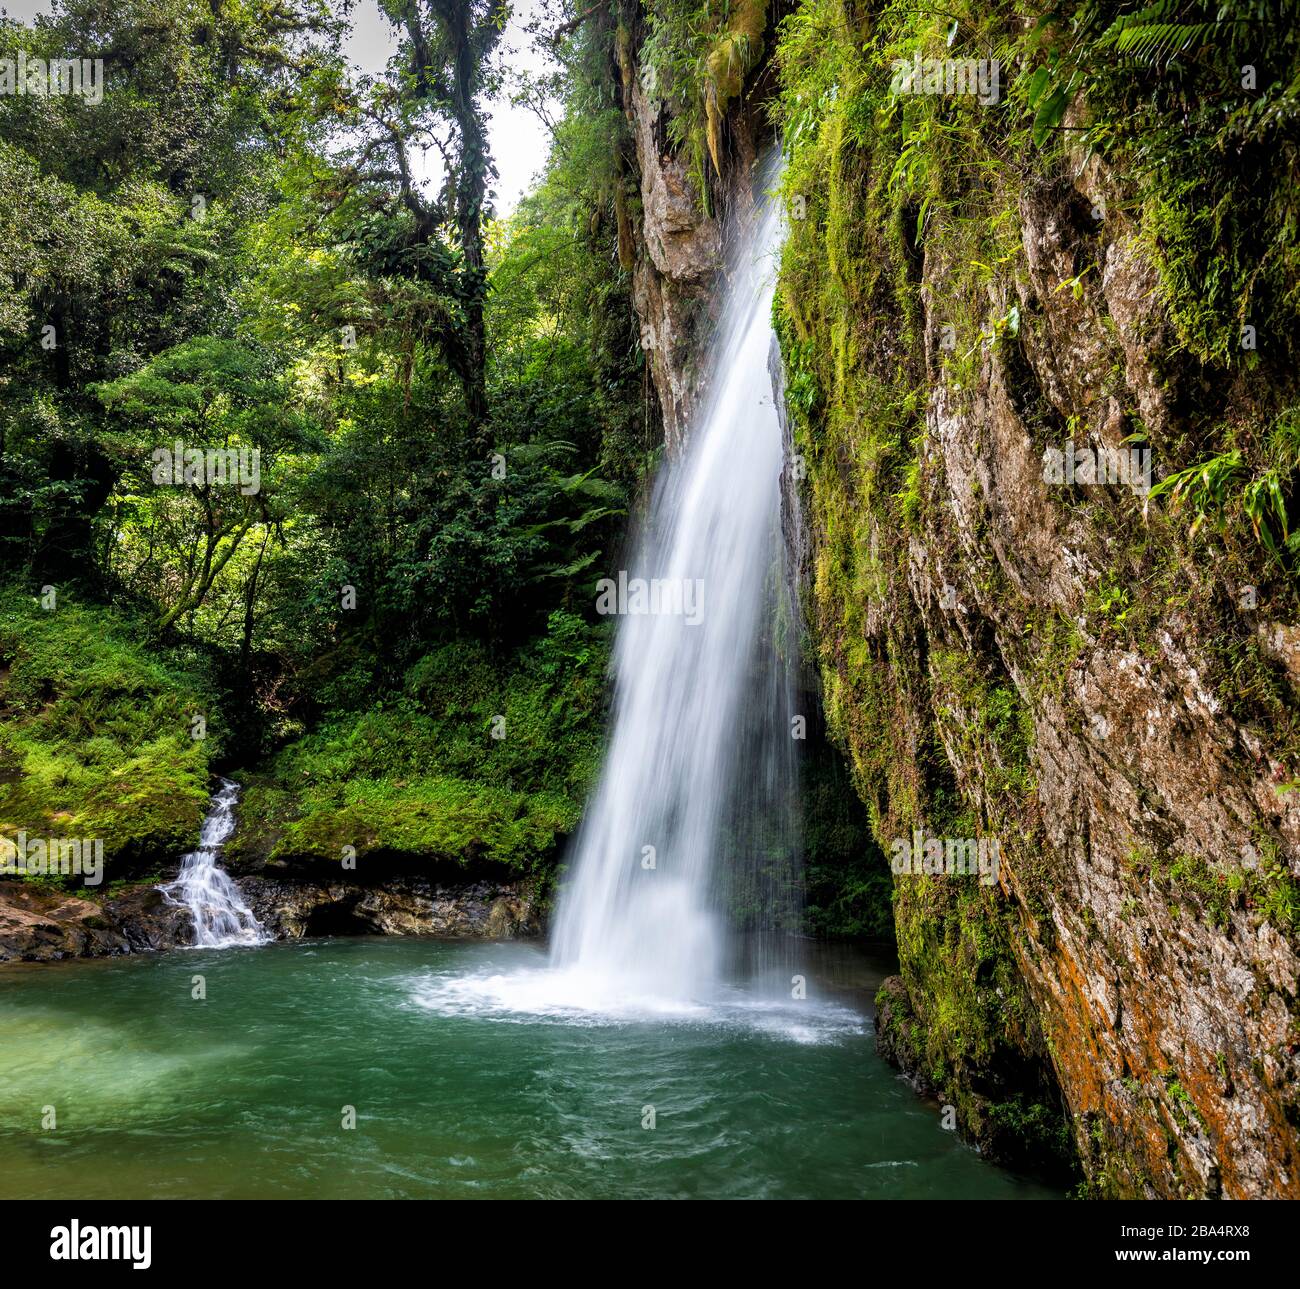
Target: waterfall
[[690, 832], [221, 918]]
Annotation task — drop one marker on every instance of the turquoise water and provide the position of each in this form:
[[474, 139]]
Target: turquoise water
[[465, 1082]]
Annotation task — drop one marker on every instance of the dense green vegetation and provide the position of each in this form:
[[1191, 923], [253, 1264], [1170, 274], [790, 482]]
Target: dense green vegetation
[[96, 733], [390, 627], [472, 759]]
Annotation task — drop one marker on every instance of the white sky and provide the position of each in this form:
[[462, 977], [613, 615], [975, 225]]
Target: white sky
[[519, 140]]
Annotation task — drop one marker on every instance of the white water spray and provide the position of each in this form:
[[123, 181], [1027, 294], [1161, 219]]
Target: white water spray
[[692, 815], [221, 918], [682, 895]]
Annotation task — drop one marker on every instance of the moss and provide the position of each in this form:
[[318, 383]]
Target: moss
[[970, 1025], [421, 774], [697, 57], [96, 739], [988, 716], [847, 882], [431, 819], [1213, 891], [733, 54], [1182, 1106]]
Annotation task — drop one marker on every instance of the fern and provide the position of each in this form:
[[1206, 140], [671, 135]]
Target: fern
[[1213, 488], [1155, 35]]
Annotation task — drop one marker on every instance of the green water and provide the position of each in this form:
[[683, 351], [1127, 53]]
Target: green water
[[460, 1088]]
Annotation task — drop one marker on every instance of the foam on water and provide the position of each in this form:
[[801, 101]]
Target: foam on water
[[569, 996]]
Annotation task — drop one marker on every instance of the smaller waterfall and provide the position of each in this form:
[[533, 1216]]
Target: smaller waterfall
[[221, 918]]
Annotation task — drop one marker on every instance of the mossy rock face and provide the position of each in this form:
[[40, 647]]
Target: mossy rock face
[[1073, 671], [734, 53], [97, 738], [402, 904], [426, 822], [1013, 1118]]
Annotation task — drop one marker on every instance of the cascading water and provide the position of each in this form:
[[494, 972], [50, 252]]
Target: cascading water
[[221, 918], [683, 888], [692, 815]]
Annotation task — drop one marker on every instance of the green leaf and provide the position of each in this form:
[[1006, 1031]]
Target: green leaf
[[1049, 114], [1038, 84]]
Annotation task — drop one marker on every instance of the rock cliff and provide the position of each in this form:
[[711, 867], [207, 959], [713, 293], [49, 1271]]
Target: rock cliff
[[1012, 657]]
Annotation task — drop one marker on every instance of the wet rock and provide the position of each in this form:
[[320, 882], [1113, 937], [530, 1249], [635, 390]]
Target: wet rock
[[681, 245], [292, 910], [899, 1039], [41, 924], [38, 927]]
